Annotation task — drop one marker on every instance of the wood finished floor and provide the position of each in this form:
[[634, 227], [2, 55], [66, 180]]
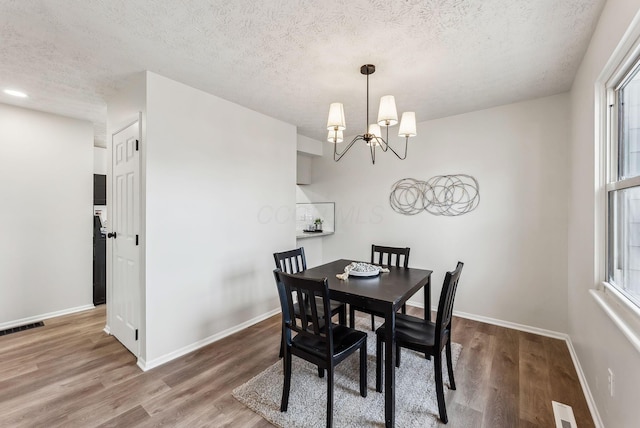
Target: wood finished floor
[[71, 374]]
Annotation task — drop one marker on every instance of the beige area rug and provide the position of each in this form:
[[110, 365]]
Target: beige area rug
[[416, 404]]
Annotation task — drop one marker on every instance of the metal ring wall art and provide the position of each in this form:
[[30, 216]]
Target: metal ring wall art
[[443, 195]]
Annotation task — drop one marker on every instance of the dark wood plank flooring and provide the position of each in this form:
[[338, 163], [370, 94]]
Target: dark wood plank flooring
[[69, 373]]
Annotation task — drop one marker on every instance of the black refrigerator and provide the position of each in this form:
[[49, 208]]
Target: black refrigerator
[[99, 263], [99, 240]]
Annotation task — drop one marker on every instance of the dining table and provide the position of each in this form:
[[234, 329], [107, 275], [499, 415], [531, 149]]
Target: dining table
[[384, 293]]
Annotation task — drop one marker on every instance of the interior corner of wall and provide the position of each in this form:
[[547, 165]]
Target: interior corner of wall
[[309, 146]]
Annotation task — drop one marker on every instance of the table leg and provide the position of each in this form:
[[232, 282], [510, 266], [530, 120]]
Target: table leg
[[427, 299], [389, 369], [427, 305]]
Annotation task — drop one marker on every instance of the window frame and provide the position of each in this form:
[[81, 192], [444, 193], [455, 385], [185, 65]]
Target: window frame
[[624, 313], [624, 74]]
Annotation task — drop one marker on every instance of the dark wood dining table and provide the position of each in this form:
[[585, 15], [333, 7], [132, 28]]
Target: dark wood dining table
[[384, 293]]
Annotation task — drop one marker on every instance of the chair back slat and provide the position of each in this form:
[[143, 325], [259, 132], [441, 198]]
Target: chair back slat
[[390, 256], [303, 316], [445, 306], [292, 261]]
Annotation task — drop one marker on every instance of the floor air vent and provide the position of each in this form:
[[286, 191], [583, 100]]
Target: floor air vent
[[563, 415], [21, 328]]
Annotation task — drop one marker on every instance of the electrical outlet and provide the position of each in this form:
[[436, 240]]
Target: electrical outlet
[[610, 381]]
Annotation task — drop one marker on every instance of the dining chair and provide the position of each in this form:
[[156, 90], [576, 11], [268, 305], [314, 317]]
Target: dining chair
[[424, 336], [386, 256], [294, 261], [316, 339]]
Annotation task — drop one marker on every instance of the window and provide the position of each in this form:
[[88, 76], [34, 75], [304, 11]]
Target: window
[[623, 186]]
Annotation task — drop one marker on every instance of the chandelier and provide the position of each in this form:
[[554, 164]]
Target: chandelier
[[387, 117]]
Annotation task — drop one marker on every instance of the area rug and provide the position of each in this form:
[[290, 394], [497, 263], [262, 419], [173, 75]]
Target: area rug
[[416, 403]]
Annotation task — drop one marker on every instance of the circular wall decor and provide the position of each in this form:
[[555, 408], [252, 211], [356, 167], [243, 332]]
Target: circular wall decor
[[446, 195]]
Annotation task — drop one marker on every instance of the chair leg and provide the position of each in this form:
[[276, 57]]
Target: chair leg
[[329, 396], [363, 369], [452, 381], [373, 323], [320, 372], [428, 318], [281, 354], [404, 309], [379, 355], [398, 355], [352, 317], [284, 403], [442, 409]]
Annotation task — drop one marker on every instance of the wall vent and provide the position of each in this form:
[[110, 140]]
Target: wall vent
[[563, 415], [21, 328]]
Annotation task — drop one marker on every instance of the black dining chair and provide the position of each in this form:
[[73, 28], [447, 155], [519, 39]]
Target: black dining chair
[[386, 256], [316, 339], [294, 261], [426, 337]]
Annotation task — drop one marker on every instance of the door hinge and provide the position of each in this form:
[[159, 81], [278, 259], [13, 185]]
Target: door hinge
[[137, 148], [136, 334], [137, 239]]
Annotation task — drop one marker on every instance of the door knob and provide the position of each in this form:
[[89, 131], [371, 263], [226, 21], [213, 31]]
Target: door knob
[[113, 235]]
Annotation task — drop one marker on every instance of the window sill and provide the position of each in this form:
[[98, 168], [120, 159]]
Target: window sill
[[623, 314]]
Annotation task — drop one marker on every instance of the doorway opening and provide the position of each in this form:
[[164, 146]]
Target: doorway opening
[[99, 239]]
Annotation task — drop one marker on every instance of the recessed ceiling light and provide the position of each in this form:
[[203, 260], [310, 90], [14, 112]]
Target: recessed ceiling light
[[15, 93]]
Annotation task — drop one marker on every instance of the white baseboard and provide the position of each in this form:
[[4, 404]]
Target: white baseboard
[[36, 318], [147, 365], [591, 402], [500, 323], [512, 325], [542, 332]]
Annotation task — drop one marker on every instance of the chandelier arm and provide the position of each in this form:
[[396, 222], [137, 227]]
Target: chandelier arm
[[406, 144], [346, 149], [384, 144]]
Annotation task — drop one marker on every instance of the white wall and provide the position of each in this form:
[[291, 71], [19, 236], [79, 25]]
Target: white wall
[[598, 342], [220, 199], [513, 245], [308, 146], [303, 169], [46, 189], [308, 149], [100, 160], [312, 246]]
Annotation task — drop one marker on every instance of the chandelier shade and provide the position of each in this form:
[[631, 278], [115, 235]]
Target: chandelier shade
[[335, 136], [407, 125], [336, 117], [387, 117], [387, 113], [376, 135]]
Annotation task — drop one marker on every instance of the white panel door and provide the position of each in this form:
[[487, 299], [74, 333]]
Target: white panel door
[[125, 224]]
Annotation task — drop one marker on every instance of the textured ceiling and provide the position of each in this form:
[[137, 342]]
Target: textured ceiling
[[290, 59]]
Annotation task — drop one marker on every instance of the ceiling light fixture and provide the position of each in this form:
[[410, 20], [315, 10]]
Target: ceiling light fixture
[[387, 117], [15, 93]]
